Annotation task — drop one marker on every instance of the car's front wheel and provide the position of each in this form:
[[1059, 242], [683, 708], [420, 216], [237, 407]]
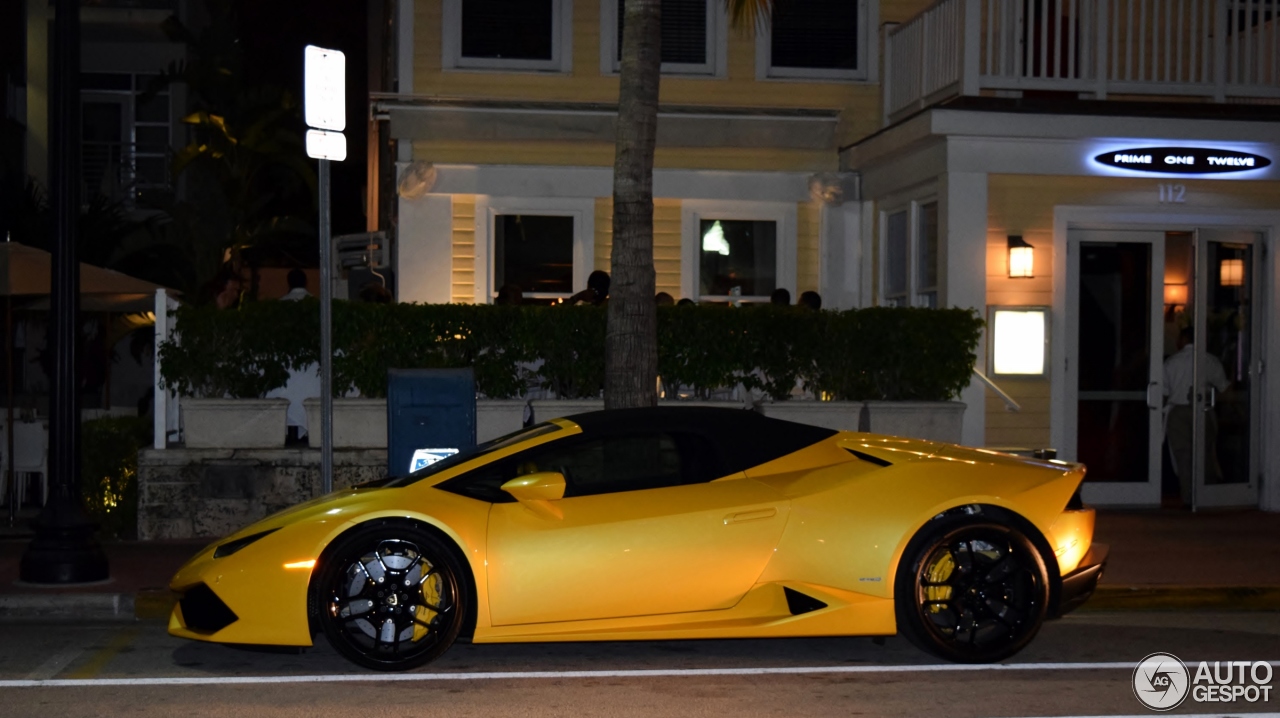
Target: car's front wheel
[[391, 597], [971, 591]]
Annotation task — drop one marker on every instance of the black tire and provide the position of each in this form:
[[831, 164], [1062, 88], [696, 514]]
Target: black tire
[[971, 590], [391, 597]]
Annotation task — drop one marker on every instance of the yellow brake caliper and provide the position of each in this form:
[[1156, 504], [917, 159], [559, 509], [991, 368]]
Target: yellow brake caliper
[[938, 572]]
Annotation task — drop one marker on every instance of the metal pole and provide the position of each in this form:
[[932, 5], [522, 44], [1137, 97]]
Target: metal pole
[[8, 365], [64, 550], [326, 336]]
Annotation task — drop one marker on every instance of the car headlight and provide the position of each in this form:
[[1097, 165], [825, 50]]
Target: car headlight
[[231, 547]]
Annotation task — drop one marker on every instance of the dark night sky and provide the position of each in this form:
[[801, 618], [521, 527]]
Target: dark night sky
[[274, 34]]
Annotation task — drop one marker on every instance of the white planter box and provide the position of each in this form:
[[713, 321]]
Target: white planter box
[[233, 423], [838, 415], [931, 420], [498, 417], [358, 423]]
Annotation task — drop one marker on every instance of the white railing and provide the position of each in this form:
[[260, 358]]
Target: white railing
[[1214, 49]]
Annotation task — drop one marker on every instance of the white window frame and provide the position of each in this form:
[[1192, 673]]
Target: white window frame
[[692, 212], [913, 290], [717, 45], [583, 212], [561, 43], [868, 56]]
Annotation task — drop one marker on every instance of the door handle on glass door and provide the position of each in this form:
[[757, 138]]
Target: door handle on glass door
[[1213, 399], [1153, 405]]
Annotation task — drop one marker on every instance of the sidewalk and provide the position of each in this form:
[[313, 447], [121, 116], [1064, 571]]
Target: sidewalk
[[1159, 560]]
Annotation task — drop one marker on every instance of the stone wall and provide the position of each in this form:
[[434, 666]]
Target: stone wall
[[187, 493]]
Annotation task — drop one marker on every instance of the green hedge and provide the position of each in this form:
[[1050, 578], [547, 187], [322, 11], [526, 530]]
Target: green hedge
[[876, 353], [109, 471]]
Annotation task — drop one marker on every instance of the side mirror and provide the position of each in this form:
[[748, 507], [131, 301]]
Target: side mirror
[[540, 486]]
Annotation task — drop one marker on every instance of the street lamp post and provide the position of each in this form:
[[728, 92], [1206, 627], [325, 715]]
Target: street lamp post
[[64, 550]]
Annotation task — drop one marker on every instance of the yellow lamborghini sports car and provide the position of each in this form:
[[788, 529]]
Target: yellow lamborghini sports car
[[664, 523]]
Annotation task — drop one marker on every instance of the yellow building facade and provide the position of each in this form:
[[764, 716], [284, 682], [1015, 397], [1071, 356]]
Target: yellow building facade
[[901, 170]]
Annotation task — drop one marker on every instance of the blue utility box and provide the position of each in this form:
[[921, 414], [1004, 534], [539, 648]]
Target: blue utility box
[[431, 413]]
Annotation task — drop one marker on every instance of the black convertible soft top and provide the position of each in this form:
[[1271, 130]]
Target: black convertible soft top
[[744, 438]]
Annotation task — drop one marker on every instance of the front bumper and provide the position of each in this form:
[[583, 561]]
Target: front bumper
[[1079, 585]]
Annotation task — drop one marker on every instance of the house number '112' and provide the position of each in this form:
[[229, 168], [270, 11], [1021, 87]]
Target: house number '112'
[[1173, 193]]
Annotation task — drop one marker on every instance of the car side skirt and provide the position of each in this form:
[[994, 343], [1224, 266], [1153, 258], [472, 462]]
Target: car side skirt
[[764, 612]]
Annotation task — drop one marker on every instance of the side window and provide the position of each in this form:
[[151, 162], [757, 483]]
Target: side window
[[609, 465], [630, 462]]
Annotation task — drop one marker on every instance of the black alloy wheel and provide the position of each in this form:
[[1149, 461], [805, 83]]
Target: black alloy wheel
[[971, 591], [391, 597]]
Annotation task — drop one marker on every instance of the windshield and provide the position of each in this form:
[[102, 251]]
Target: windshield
[[478, 450]]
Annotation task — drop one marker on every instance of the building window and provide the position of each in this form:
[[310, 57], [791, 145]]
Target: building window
[[927, 255], [896, 249], [126, 132], [535, 253], [911, 256], [544, 246], [692, 32], [815, 39], [737, 258], [506, 34]]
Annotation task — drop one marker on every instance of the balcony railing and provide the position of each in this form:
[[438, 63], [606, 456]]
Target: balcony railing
[[1218, 50], [125, 172]]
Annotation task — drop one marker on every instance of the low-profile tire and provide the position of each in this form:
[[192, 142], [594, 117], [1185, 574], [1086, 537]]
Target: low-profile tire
[[971, 590], [391, 597]]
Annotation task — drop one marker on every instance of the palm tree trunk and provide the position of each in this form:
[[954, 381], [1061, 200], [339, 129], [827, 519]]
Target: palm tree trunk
[[631, 341]]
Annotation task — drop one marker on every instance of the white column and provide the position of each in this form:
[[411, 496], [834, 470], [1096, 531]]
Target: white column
[[424, 260], [840, 255], [963, 249]]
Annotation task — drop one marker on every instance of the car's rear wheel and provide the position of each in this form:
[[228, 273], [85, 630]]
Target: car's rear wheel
[[971, 591], [391, 597]]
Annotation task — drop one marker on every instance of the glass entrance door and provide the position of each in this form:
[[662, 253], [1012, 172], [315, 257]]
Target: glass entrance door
[[1114, 323], [1223, 397]]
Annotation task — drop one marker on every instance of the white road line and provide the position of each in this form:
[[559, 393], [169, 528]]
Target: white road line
[[1184, 715], [559, 675]]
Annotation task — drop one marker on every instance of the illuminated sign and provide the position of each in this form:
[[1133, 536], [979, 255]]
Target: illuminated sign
[[1182, 160]]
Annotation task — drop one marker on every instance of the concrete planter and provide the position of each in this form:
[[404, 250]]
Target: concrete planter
[[497, 417], [358, 423], [233, 423], [838, 415], [931, 420]]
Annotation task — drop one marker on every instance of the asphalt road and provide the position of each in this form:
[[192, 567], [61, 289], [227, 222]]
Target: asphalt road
[[1085, 668]]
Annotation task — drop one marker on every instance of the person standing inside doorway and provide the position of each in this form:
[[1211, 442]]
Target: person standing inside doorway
[[1178, 387]]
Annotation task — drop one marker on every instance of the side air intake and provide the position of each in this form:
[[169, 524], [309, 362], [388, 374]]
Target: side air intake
[[799, 603], [869, 458], [202, 610]]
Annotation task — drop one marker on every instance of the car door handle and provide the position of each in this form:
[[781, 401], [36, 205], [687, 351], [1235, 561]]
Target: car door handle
[[750, 516]]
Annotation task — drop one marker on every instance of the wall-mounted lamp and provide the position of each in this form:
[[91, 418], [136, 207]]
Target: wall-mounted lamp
[[1175, 295], [1019, 339], [1231, 273], [1021, 258]]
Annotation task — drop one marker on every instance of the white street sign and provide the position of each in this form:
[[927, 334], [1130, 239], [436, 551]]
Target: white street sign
[[323, 145], [325, 89]]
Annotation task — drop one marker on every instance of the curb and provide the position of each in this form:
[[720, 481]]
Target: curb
[[68, 607], [1176, 598]]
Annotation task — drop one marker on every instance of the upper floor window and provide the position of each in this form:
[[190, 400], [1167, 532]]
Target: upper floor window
[[910, 262], [815, 39], [692, 36], [507, 34], [126, 132]]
